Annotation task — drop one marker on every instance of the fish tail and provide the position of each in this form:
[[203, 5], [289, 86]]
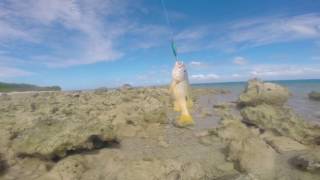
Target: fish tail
[[185, 120]]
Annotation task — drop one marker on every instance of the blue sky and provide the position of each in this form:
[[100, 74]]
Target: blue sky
[[83, 44]]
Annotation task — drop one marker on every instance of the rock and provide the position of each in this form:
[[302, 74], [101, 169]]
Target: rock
[[126, 87], [205, 140], [205, 113], [314, 96], [221, 106], [70, 168], [59, 137], [3, 165], [309, 161], [127, 130], [282, 121], [239, 177], [101, 90], [284, 144], [145, 170], [258, 92], [5, 97], [247, 150], [163, 142], [80, 122]]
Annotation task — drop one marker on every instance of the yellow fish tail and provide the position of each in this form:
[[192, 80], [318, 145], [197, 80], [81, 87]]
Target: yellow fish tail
[[185, 120]]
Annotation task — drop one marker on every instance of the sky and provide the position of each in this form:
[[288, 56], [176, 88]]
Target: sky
[[86, 44]]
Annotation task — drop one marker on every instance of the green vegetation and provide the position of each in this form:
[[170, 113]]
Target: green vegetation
[[9, 87]]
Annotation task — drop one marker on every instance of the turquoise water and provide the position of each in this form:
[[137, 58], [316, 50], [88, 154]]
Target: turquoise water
[[299, 101], [295, 86]]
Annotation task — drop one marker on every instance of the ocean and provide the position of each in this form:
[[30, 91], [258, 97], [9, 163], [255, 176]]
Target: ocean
[[299, 101]]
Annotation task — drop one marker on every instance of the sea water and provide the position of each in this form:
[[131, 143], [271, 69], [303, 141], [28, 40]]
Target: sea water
[[299, 101]]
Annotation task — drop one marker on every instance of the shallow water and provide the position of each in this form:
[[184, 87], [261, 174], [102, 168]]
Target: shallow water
[[299, 101]]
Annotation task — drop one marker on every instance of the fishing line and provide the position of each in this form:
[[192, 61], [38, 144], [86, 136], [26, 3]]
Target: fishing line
[[173, 45]]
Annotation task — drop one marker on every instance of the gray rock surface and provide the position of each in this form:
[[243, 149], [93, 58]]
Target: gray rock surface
[[309, 161], [50, 125], [258, 92], [262, 105], [284, 144], [3, 165], [281, 121], [314, 96], [249, 152]]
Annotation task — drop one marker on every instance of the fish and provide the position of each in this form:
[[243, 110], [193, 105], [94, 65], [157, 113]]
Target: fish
[[180, 91]]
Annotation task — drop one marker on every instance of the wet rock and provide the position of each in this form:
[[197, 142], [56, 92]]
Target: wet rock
[[284, 144], [205, 113], [309, 161], [258, 92], [282, 121], [221, 106], [246, 149], [314, 96]]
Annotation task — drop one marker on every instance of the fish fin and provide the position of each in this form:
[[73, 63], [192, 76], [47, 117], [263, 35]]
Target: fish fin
[[176, 106], [189, 102], [185, 120]]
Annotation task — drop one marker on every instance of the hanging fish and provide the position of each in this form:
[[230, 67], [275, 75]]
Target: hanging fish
[[180, 90]]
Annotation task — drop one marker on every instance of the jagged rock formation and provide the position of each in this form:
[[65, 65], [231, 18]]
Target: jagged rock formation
[[258, 92], [51, 125], [247, 149], [262, 105]]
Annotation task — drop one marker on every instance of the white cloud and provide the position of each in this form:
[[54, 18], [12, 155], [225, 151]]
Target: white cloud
[[195, 63], [8, 72], [240, 60], [77, 32], [261, 31], [204, 77], [280, 71], [192, 33], [199, 65], [235, 75], [247, 33], [92, 35]]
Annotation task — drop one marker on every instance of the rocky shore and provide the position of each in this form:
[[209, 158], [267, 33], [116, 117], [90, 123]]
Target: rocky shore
[[127, 134], [314, 96]]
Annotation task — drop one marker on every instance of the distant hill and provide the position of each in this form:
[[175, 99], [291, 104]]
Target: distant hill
[[10, 87]]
